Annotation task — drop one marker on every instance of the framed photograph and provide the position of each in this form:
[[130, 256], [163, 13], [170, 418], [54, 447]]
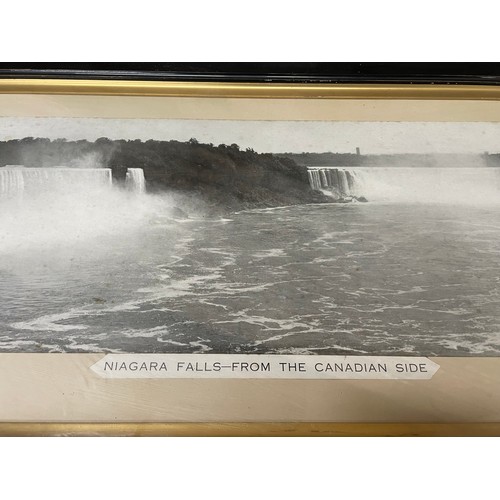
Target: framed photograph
[[235, 258]]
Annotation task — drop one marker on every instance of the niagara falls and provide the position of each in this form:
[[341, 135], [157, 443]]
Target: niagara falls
[[181, 246]]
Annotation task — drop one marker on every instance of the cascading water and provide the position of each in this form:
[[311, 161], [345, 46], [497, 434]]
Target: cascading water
[[314, 178], [11, 182], [338, 181], [410, 184], [135, 181], [324, 180], [17, 181], [344, 186]]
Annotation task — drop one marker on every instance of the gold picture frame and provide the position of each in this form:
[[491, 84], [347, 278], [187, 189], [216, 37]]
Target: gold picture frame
[[57, 394]]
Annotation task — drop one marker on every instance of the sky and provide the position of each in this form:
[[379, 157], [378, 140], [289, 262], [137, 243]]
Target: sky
[[274, 136]]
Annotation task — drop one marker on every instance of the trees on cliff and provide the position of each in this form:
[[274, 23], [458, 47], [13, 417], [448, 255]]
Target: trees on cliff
[[222, 172]]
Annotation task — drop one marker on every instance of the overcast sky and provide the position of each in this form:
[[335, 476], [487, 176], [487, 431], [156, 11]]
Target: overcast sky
[[274, 136]]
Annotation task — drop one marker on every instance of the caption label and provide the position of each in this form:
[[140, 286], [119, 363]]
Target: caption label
[[260, 366]]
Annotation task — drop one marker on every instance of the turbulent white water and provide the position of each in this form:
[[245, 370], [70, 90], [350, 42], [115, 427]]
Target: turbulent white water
[[381, 279], [400, 184]]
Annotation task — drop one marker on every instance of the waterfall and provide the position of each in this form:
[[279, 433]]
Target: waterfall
[[424, 185], [410, 184], [350, 180], [324, 180], [17, 181], [338, 181], [343, 185], [11, 182], [314, 179], [135, 181]]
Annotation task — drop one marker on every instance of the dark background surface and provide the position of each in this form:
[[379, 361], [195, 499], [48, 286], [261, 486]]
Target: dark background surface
[[300, 72]]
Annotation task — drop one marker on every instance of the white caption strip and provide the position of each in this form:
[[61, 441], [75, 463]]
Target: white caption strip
[[262, 366]]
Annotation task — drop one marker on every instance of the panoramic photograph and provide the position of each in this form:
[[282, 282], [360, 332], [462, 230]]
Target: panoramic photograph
[[249, 237]]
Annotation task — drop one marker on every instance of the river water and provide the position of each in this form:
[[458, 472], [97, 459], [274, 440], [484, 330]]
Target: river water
[[122, 274]]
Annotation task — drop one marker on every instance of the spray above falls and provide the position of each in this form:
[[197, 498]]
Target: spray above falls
[[460, 185], [60, 207]]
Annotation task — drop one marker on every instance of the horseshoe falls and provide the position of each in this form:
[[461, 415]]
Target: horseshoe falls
[[462, 185]]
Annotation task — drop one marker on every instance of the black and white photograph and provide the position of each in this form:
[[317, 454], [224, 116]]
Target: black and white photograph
[[249, 237]]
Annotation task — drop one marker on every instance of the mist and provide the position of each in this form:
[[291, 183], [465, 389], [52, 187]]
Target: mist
[[461, 185], [78, 209]]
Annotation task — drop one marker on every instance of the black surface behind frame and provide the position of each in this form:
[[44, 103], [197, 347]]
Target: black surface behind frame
[[487, 73]]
